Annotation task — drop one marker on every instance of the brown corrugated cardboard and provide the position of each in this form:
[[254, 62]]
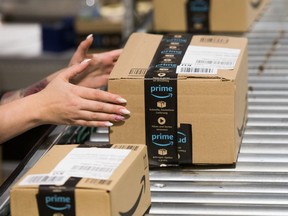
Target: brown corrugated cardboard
[[125, 191], [107, 34], [213, 106], [222, 15]]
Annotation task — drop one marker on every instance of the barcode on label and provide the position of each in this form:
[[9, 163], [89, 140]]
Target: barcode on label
[[44, 180], [92, 169], [222, 40], [193, 70], [215, 62], [138, 71], [131, 147], [98, 181]]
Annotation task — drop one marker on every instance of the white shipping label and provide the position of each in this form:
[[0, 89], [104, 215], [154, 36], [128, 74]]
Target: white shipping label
[[99, 163], [207, 60], [43, 179]]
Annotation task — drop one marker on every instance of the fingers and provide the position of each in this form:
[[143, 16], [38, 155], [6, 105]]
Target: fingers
[[94, 123], [104, 107], [81, 51], [115, 54], [98, 105], [101, 117], [107, 58], [74, 70], [95, 114], [99, 95]]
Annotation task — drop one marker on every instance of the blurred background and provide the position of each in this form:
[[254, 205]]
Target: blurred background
[[38, 37]]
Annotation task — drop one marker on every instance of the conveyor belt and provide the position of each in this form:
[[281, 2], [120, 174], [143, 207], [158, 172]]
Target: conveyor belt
[[259, 183]]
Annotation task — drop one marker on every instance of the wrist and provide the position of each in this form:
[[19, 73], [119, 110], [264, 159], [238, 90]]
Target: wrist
[[37, 87], [34, 110], [10, 96]]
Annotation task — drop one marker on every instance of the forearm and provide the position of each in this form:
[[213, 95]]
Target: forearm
[[32, 89], [18, 117], [10, 96]]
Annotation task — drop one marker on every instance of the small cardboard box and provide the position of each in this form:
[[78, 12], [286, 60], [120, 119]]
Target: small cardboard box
[[107, 34], [109, 29], [115, 182], [202, 16], [200, 111]]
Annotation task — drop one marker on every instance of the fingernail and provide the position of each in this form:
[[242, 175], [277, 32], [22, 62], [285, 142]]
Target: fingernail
[[108, 124], [119, 118], [89, 36], [85, 61], [121, 100], [125, 111]]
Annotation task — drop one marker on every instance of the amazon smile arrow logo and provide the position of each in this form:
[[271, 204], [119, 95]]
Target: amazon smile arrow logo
[[163, 96], [68, 206], [134, 207]]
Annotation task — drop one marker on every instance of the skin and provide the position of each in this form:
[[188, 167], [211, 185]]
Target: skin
[[70, 96], [95, 75]]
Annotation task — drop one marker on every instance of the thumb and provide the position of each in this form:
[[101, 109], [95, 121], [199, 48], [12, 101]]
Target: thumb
[[75, 70]]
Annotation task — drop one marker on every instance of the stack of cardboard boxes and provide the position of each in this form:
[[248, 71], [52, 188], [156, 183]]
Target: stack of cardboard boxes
[[206, 16]]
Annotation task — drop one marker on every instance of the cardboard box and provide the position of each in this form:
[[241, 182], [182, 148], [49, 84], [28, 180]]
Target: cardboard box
[[204, 107], [203, 16], [107, 34], [119, 184], [108, 28]]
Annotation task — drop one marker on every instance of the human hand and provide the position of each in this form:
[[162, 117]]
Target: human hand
[[101, 65], [95, 75], [62, 102]]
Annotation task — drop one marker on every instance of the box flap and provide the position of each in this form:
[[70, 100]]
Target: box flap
[[138, 53]]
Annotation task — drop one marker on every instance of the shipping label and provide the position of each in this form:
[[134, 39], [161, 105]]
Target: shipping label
[[208, 60], [99, 163]]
